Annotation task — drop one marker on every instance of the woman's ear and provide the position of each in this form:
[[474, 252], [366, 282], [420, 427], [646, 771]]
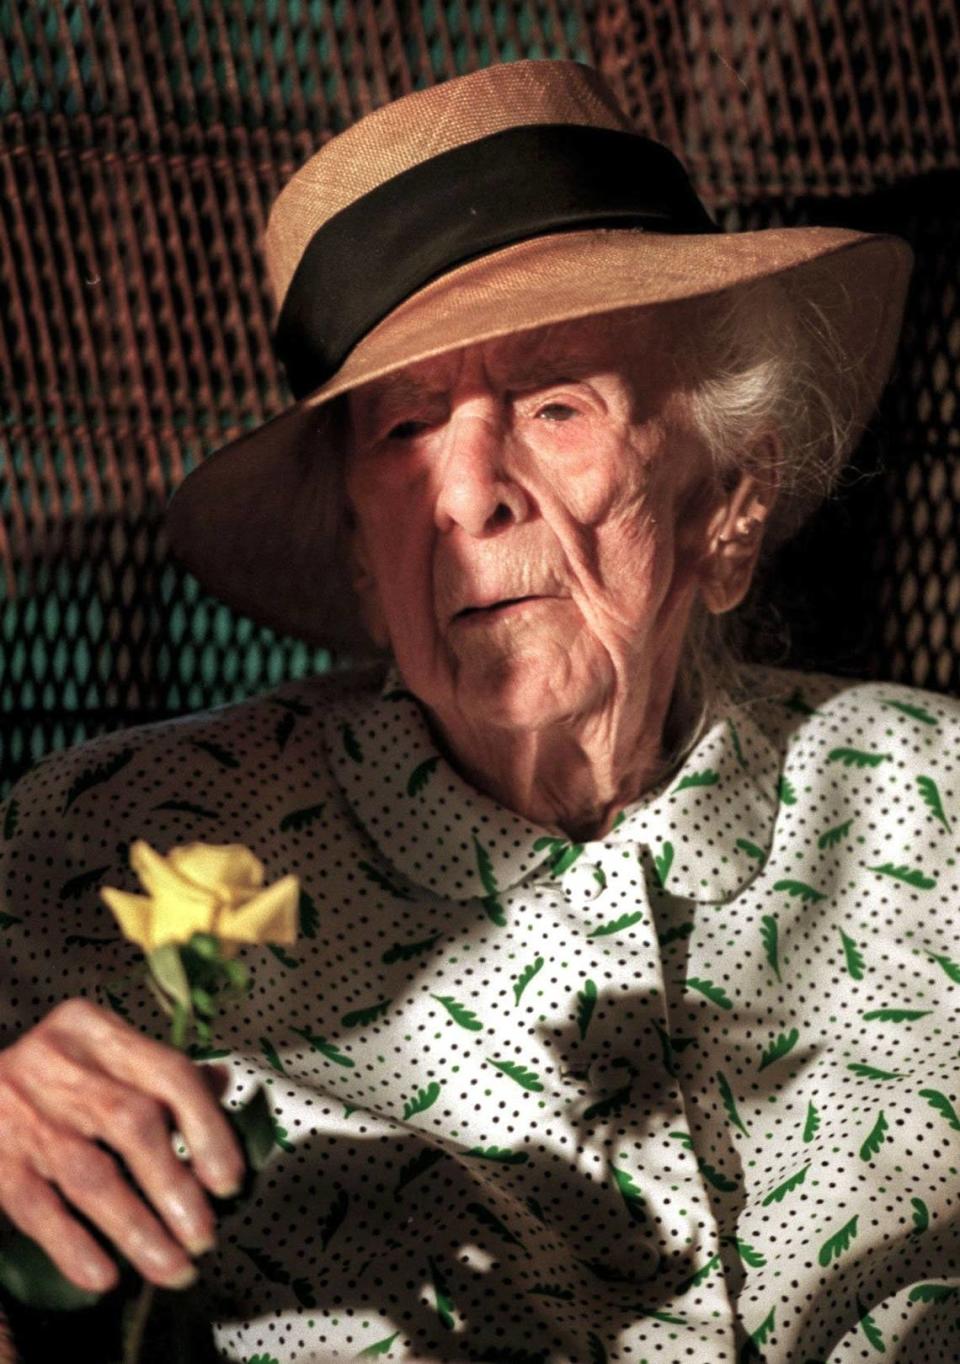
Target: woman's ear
[[735, 533]]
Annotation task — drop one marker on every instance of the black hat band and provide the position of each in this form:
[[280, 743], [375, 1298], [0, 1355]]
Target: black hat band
[[518, 183]]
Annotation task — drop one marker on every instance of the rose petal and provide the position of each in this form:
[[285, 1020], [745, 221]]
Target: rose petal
[[158, 876], [132, 913], [230, 870], [269, 917]]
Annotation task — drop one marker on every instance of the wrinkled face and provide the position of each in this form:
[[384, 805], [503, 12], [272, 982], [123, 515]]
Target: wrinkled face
[[529, 519]]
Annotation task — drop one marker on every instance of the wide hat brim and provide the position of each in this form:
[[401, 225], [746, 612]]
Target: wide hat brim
[[259, 522]]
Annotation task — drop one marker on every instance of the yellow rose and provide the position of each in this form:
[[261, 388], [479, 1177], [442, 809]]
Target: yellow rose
[[204, 888]]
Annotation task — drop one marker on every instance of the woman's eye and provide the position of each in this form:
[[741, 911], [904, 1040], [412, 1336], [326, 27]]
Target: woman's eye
[[406, 430], [557, 412]]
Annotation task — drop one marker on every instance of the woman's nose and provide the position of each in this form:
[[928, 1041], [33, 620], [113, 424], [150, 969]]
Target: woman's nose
[[475, 492]]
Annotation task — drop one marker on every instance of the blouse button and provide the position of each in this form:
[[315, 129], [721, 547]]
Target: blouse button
[[583, 881]]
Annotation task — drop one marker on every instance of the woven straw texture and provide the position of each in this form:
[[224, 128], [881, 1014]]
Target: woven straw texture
[[140, 146]]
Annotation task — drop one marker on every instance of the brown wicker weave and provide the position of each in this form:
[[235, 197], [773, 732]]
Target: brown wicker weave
[[140, 144]]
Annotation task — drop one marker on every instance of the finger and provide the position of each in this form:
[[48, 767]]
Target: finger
[[168, 1076], [38, 1211], [216, 1078], [136, 1127], [91, 1182]]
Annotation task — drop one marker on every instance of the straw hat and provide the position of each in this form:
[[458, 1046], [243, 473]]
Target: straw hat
[[498, 202]]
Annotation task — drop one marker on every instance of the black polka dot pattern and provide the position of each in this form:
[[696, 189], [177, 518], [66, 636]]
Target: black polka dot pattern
[[685, 1093]]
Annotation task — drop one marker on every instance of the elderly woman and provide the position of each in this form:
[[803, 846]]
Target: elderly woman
[[622, 1022]]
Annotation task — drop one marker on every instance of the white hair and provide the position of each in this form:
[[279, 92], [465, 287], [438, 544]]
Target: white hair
[[758, 360]]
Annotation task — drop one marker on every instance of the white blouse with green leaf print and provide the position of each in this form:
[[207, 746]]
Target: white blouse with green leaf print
[[686, 1093]]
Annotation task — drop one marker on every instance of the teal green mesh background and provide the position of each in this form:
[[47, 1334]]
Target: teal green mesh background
[[141, 142]]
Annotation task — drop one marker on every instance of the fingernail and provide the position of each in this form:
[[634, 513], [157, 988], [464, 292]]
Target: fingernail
[[226, 1183], [199, 1245], [183, 1279], [100, 1278]]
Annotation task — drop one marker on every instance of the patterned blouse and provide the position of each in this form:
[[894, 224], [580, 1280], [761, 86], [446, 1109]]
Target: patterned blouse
[[686, 1093]]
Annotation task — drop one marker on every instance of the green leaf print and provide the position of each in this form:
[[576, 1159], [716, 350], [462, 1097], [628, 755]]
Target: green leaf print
[[351, 745], [800, 889], [406, 951], [797, 703], [600, 876], [921, 1216], [8, 920], [931, 1292], [419, 1165], [834, 1246], [421, 775], [875, 1140], [616, 925], [400, 694], [610, 1107], [526, 1079], [217, 752], [565, 858], [663, 863], [787, 794], [281, 1136], [525, 977], [379, 1347], [489, 1220], [812, 1124], [856, 757], [361, 1018], [854, 960], [187, 807], [272, 1270], [671, 935], [441, 1296], [10, 818], [270, 1052], [292, 705], [765, 1328], [911, 876], [712, 992], [96, 776], [705, 778], [931, 795], [870, 1329], [72, 939], [632, 1197], [716, 1177], [282, 956], [670, 1045], [778, 1194], [747, 1254], [263, 1359], [501, 1154], [871, 1072], [325, 1048], [485, 868], [586, 1003], [943, 1105], [598, 1352], [729, 1103], [302, 819], [751, 850], [735, 740], [78, 885], [335, 1218], [549, 1290], [460, 1013], [782, 1044], [701, 1275], [425, 1099], [373, 874], [950, 967], [769, 936], [494, 910], [833, 836], [285, 727], [894, 1015], [309, 918], [915, 712]]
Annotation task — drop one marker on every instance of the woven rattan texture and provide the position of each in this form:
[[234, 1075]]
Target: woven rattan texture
[[140, 146]]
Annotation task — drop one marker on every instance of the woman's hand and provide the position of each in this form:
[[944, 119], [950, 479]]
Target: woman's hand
[[82, 1080]]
